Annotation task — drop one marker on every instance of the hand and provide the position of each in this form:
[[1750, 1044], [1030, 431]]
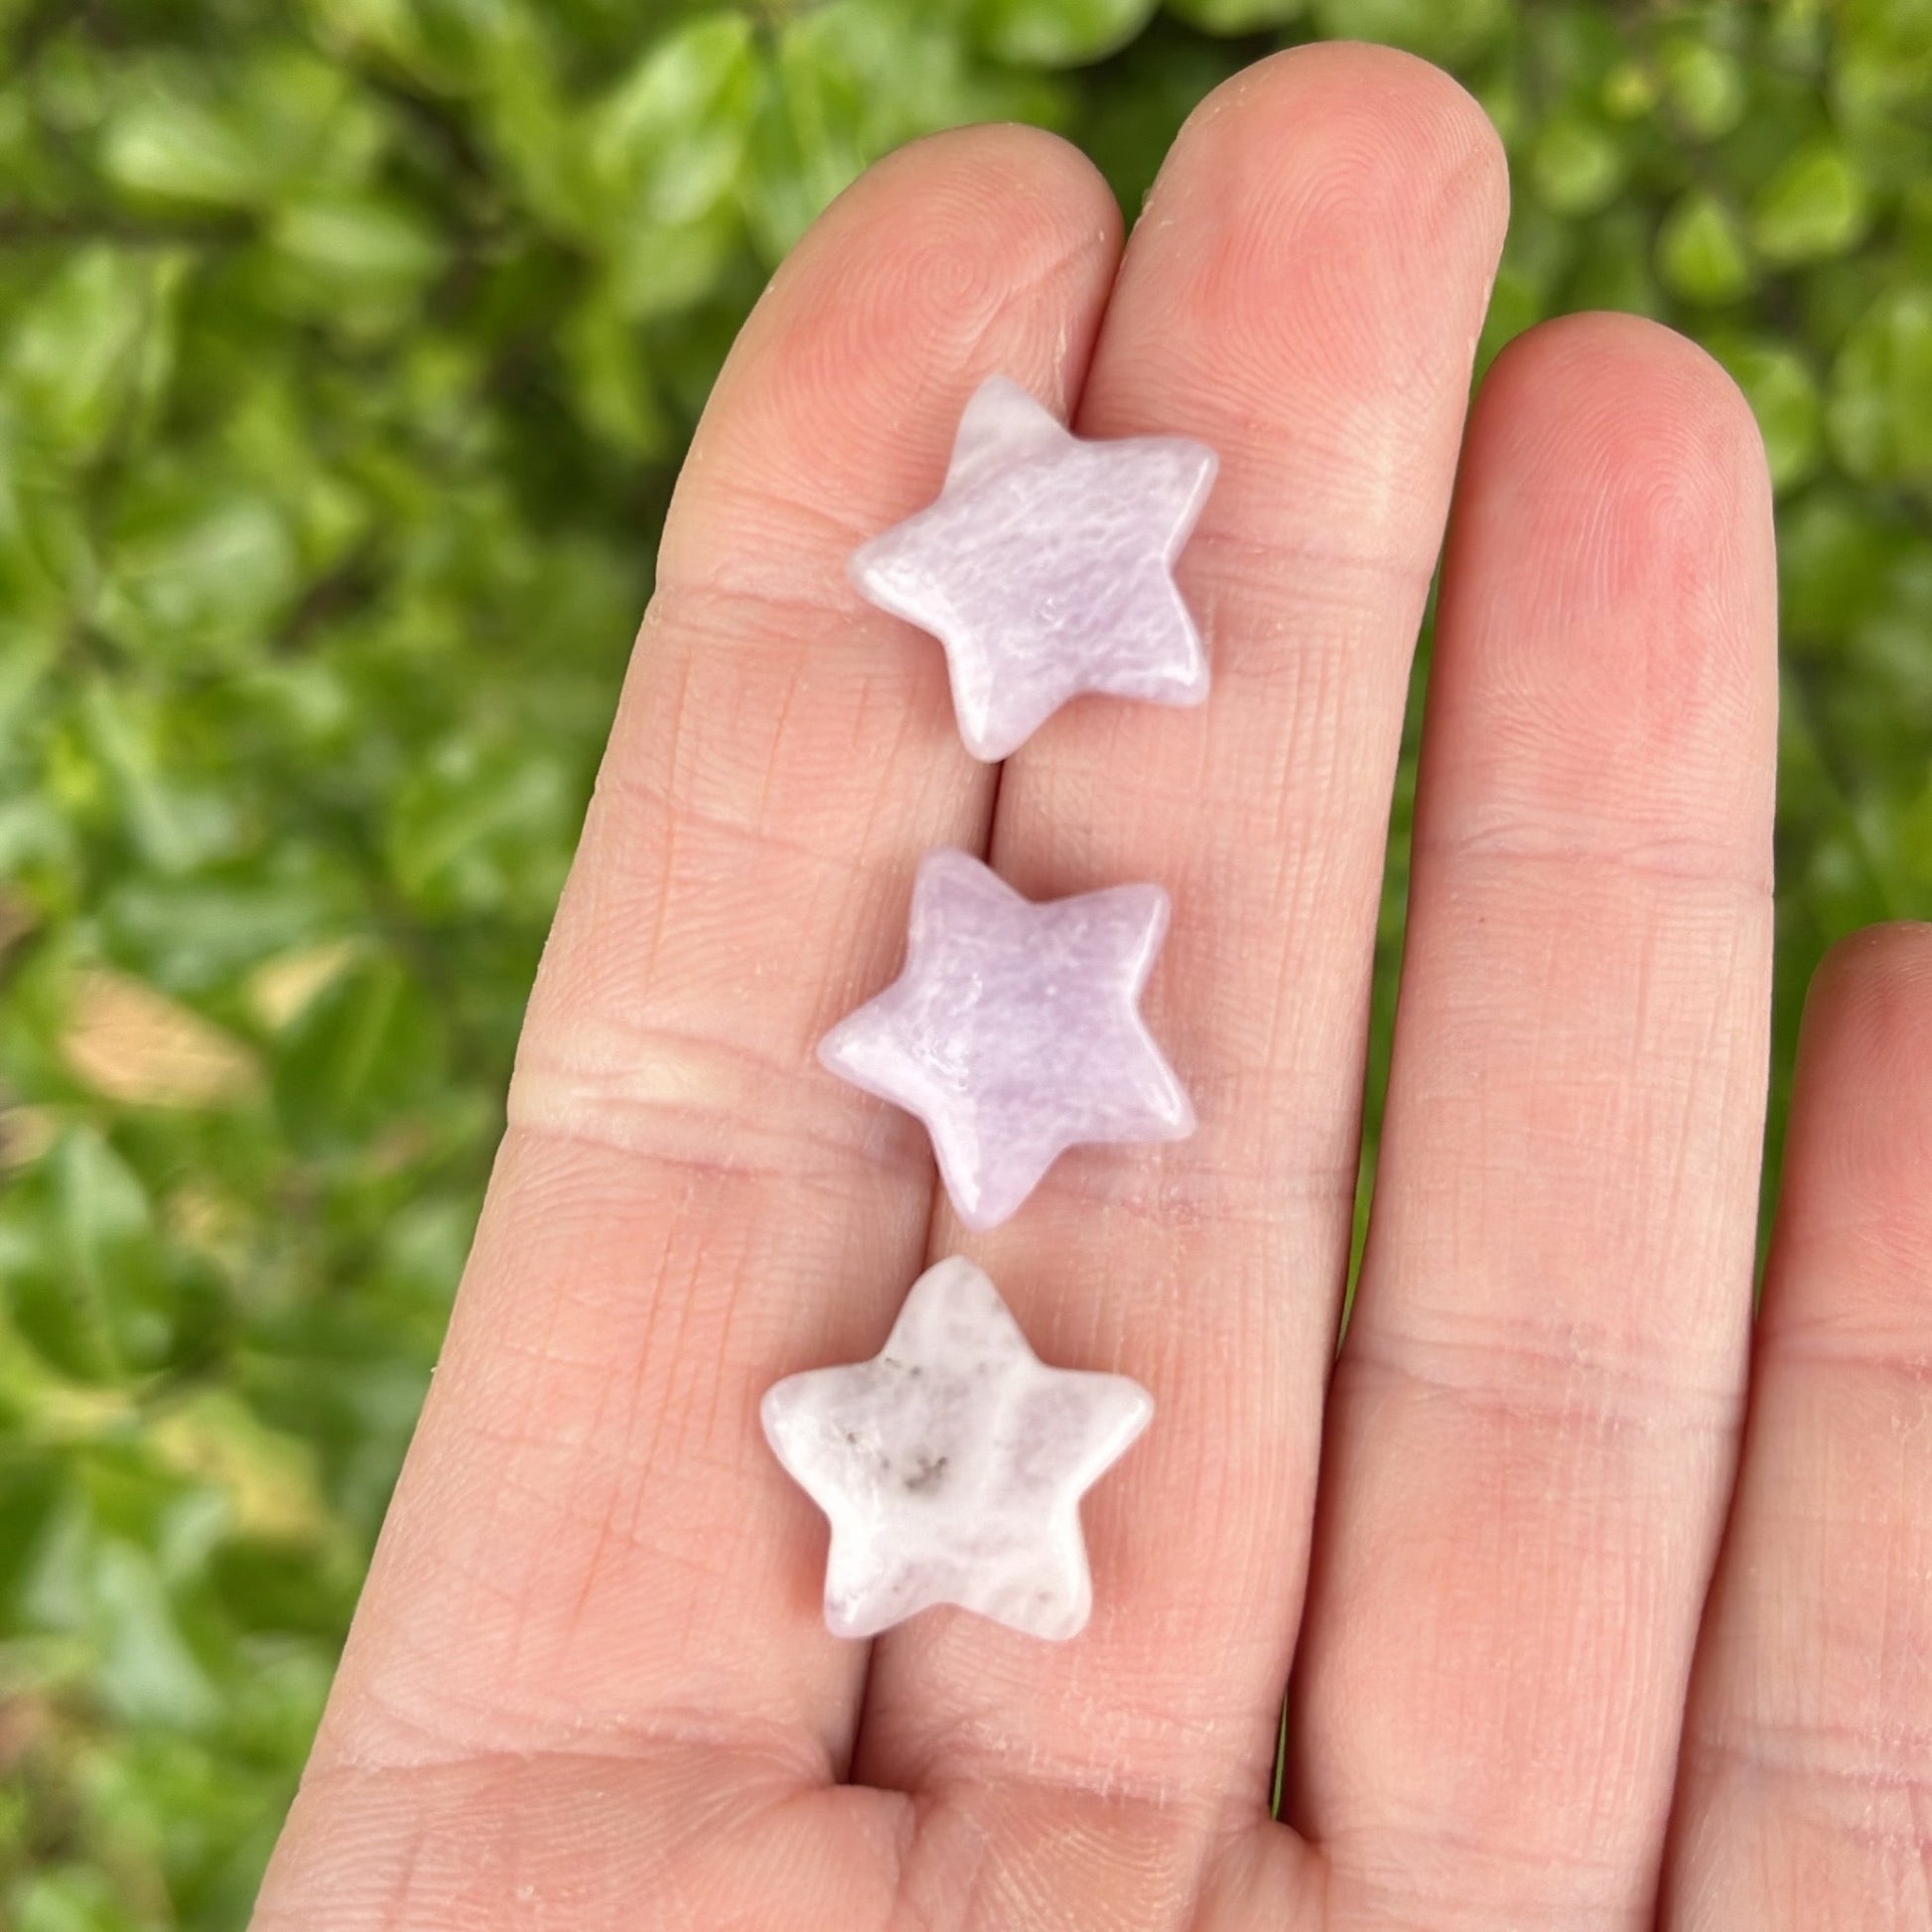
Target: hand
[[1572, 1644]]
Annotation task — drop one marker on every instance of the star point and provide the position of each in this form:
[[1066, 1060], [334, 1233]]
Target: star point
[[951, 1464], [1045, 568], [1014, 1033]]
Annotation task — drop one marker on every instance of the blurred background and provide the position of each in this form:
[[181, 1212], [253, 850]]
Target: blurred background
[[347, 348]]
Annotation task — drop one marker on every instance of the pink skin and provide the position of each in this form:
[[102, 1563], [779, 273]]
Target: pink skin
[[590, 1685]]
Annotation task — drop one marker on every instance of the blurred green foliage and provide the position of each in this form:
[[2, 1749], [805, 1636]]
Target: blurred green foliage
[[346, 352]]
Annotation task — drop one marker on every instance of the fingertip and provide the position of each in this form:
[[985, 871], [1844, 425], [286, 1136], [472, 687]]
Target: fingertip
[[1868, 1025], [1876, 961], [1409, 127], [1858, 1156], [1324, 230], [1622, 404], [1610, 591]]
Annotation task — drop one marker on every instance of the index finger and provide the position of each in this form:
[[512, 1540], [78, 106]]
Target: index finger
[[589, 1543]]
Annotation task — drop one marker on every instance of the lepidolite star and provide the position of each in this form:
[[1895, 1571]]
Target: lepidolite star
[[951, 1466], [1046, 568], [1015, 1030]]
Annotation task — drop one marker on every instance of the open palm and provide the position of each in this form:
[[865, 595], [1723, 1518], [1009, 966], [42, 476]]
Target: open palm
[[1571, 1645]]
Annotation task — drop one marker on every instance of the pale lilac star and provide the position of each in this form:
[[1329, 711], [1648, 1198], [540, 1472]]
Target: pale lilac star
[[951, 1466], [1015, 1030], [1046, 568]]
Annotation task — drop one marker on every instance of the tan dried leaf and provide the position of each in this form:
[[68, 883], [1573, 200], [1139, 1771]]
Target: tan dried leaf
[[131, 1043], [26, 1133], [281, 987]]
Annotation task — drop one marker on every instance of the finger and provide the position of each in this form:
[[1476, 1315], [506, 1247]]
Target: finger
[[591, 1542], [1805, 1793], [1303, 294], [1532, 1423]]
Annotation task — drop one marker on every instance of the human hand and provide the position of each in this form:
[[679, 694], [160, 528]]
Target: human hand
[[1537, 1680]]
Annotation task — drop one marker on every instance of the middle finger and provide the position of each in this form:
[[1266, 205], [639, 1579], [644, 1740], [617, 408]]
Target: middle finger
[[1303, 293]]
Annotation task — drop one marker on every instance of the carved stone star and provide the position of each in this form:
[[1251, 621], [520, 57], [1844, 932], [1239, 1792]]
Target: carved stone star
[[1046, 568], [952, 1465], [1014, 1031]]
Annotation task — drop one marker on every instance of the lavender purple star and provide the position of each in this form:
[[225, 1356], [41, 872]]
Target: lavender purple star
[[1014, 1033], [1046, 568]]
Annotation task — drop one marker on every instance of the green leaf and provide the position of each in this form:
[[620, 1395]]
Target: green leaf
[[1814, 207], [173, 818], [670, 139], [168, 148], [196, 566], [1059, 32], [1630, 90], [358, 243], [1784, 398], [93, 347], [1701, 253], [447, 46], [521, 104], [386, 29], [1237, 16], [610, 376], [483, 827], [1879, 416], [368, 1047], [360, 263], [287, 123], [853, 78], [1882, 58], [267, 1481], [1914, 843], [147, 1672], [196, 935], [1576, 167], [1835, 560], [1614, 268], [83, 1282], [1704, 87], [46, 553], [72, 1898], [657, 271], [1447, 34]]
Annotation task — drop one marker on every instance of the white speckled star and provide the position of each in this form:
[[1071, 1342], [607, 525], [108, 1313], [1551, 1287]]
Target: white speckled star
[[1015, 1030], [951, 1466], [1046, 568]]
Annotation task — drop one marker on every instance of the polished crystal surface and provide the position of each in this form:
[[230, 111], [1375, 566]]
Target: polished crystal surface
[[1014, 1031], [1046, 568], [951, 1466]]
